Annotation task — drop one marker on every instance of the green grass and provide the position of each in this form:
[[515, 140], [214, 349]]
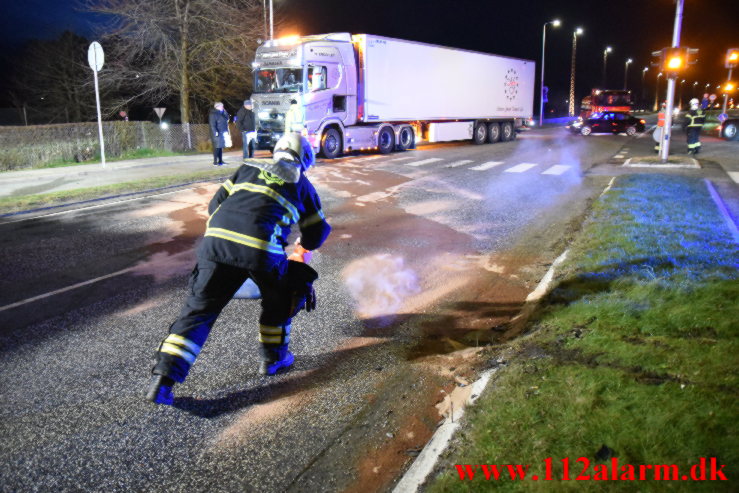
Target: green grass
[[635, 349], [26, 202], [132, 154]]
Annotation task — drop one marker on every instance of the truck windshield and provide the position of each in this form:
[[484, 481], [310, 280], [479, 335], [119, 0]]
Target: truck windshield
[[278, 80]]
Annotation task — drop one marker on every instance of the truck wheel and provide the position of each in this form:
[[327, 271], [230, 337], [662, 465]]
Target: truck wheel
[[405, 138], [331, 143], [730, 131], [386, 140], [481, 133], [493, 133], [506, 132]]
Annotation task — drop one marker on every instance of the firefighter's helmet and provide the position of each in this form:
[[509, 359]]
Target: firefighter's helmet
[[297, 147], [694, 103]]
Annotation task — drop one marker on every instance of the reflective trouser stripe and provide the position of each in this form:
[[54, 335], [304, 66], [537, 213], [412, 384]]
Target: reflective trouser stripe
[[694, 145], [274, 334], [176, 351], [178, 340]]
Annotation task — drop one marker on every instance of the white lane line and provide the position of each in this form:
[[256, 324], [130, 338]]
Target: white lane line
[[520, 168], [619, 156], [425, 161], [458, 163], [488, 165], [401, 159], [734, 176], [557, 169], [62, 290]]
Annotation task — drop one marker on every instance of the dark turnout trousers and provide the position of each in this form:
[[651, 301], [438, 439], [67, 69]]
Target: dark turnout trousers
[[212, 286]]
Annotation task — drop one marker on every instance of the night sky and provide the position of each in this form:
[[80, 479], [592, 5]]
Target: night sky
[[634, 28]]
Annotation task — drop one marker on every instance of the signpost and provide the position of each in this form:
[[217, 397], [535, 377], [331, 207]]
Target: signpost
[[96, 58], [160, 113]]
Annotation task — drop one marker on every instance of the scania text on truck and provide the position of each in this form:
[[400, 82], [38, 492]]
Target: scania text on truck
[[356, 92]]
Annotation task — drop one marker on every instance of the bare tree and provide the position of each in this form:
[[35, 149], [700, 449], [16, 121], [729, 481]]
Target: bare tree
[[198, 50], [51, 82]]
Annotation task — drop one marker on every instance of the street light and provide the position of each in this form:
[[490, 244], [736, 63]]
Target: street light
[[605, 60], [656, 93], [643, 88], [626, 71], [554, 23], [575, 34]]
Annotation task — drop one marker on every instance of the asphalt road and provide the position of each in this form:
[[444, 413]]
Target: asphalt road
[[430, 249]]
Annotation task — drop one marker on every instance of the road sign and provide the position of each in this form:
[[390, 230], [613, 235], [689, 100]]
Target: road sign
[[95, 56], [160, 112], [712, 98], [722, 117]]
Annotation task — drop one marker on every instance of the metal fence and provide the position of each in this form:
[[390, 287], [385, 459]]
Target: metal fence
[[38, 145]]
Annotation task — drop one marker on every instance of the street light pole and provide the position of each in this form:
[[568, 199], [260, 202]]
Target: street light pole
[[605, 61], [643, 88], [555, 23], [693, 91], [271, 20], [626, 73], [572, 70], [656, 93], [680, 97]]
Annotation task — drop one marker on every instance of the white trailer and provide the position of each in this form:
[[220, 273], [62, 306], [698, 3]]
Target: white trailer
[[370, 92]]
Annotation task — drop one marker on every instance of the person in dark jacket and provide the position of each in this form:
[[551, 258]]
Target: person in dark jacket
[[247, 125], [218, 120], [694, 120], [245, 238]]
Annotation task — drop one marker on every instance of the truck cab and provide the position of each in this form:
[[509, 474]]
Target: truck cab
[[305, 83]]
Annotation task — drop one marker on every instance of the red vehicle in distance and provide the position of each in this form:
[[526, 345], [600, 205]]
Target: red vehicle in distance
[[602, 100]]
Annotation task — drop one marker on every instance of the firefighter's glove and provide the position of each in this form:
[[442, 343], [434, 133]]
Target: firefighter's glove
[[300, 279]]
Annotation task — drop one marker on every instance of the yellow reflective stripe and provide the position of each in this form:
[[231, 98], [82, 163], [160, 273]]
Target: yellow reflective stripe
[[312, 219], [176, 351], [178, 340], [251, 187], [270, 330], [242, 239], [273, 339], [228, 185]]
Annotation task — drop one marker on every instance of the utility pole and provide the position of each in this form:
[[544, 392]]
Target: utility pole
[[665, 148]]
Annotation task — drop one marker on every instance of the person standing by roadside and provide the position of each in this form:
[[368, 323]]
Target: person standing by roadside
[[218, 120], [246, 123], [694, 120]]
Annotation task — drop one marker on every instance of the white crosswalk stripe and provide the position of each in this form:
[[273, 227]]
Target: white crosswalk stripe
[[557, 169], [425, 161], [488, 165], [734, 176], [458, 163], [405, 158], [520, 168]]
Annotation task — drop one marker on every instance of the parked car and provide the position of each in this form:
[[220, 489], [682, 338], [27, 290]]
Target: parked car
[[729, 129], [607, 122]]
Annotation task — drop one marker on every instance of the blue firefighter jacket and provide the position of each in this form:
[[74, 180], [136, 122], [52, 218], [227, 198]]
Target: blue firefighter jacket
[[252, 213]]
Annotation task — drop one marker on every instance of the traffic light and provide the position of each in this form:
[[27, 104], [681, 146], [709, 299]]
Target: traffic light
[[674, 61], [732, 58]]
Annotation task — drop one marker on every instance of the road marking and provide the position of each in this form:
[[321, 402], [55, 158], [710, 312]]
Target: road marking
[[63, 290], [734, 176], [425, 161], [401, 159], [458, 163], [488, 165], [557, 169], [619, 156], [520, 168]]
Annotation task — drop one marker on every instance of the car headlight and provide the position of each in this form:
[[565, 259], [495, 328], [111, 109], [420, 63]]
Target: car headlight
[[577, 124]]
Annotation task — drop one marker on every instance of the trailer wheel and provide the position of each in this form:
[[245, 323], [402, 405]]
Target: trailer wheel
[[481, 133], [493, 133], [331, 143], [506, 132], [386, 140], [405, 138]]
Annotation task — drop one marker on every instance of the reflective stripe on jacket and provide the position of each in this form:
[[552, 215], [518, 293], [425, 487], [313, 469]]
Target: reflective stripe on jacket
[[251, 216], [695, 118]]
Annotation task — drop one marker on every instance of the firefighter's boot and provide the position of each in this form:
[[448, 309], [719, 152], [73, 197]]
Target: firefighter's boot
[[160, 390], [280, 357]]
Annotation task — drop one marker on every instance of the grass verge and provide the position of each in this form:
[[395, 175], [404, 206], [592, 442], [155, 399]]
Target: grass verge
[[133, 154], [632, 355], [26, 202]]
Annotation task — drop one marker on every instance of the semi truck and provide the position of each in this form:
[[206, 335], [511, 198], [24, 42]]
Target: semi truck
[[349, 92]]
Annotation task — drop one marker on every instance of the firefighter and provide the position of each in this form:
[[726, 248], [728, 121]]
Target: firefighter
[[659, 131], [694, 120], [245, 238]]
